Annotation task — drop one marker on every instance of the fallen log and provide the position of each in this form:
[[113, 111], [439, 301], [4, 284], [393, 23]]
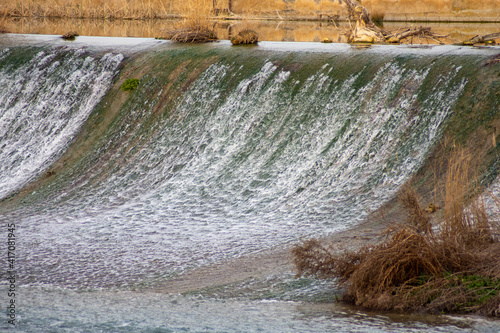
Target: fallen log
[[424, 32], [481, 39]]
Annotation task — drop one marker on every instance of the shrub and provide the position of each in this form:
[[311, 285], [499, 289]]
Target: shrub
[[453, 269]]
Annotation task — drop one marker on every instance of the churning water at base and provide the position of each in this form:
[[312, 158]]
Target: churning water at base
[[220, 152], [69, 311]]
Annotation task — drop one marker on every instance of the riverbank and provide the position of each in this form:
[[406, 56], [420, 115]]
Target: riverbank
[[387, 10], [269, 30]]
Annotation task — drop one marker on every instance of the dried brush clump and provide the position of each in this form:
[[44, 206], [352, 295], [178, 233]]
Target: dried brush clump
[[453, 269], [195, 27], [70, 35], [193, 34], [245, 37]]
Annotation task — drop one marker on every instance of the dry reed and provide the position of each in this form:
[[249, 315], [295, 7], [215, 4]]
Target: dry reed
[[109, 9], [453, 269], [3, 28], [152, 9]]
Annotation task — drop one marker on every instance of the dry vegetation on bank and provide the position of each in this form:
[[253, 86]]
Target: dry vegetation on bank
[[105, 9], [362, 27], [149, 9], [451, 268]]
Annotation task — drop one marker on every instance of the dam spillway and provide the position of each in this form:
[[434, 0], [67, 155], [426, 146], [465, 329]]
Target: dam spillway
[[220, 152]]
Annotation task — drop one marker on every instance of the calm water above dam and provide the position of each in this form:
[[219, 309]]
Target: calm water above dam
[[219, 153], [290, 31]]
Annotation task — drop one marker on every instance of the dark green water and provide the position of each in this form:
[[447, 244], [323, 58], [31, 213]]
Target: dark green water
[[220, 152]]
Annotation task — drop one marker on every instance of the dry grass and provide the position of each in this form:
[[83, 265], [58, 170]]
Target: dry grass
[[282, 8], [418, 218], [195, 26], [150, 9], [109, 9], [453, 269], [3, 28], [3, 25], [257, 7]]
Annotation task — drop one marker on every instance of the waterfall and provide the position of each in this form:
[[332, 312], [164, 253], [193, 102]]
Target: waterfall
[[218, 153], [46, 96]]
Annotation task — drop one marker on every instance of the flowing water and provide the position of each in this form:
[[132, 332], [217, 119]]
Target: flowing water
[[220, 152]]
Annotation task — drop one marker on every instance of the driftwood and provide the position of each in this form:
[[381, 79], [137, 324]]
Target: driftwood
[[481, 39], [363, 30], [424, 32]]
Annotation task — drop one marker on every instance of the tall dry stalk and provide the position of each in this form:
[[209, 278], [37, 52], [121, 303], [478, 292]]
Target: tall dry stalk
[[418, 218], [465, 217]]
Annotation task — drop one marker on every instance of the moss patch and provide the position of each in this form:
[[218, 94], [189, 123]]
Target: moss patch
[[130, 84]]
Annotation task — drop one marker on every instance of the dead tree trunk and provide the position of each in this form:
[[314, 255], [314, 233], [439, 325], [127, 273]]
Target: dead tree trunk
[[364, 30]]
